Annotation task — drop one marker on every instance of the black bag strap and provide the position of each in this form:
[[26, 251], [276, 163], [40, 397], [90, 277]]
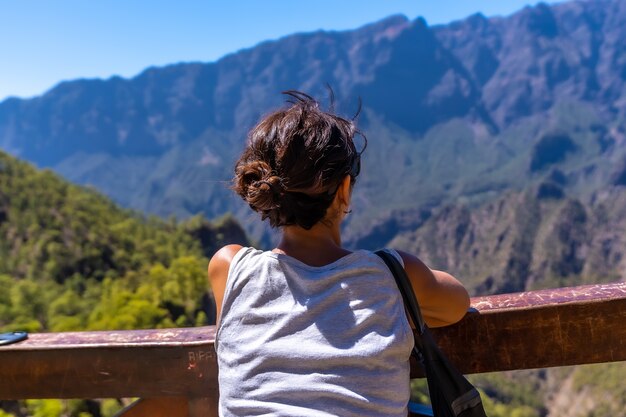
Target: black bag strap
[[451, 393], [404, 285]]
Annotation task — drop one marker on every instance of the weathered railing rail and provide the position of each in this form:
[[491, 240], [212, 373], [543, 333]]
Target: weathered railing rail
[[175, 370]]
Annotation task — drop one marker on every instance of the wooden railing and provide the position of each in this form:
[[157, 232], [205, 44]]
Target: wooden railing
[[174, 371]]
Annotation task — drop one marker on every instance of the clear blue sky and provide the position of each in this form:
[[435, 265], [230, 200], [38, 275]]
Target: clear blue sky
[[44, 42]]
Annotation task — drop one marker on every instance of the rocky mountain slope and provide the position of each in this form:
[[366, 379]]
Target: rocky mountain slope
[[455, 114], [538, 238]]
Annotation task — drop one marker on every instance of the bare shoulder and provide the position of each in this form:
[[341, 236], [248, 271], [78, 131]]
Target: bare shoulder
[[218, 272], [220, 261], [412, 264], [443, 299], [226, 253]]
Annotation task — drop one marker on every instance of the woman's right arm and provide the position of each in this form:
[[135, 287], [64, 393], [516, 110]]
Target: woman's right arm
[[218, 273], [442, 298]]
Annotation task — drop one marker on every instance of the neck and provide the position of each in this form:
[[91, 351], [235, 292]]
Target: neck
[[318, 246], [319, 235]]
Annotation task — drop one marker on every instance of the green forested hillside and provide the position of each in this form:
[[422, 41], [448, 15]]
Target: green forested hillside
[[72, 260]]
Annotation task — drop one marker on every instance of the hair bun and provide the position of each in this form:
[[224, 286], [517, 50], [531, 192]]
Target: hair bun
[[294, 161], [258, 186]]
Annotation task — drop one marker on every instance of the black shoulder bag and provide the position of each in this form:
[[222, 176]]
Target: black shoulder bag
[[451, 394]]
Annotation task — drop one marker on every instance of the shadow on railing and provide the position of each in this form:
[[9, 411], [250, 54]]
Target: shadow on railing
[[174, 371]]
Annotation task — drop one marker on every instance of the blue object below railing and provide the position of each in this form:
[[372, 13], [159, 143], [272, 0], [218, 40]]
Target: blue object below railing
[[420, 410]]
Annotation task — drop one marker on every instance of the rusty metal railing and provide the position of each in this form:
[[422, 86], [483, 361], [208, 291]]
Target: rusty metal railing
[[174, 371]]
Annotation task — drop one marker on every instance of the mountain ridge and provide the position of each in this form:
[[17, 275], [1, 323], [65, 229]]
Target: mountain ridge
[[456, 112]]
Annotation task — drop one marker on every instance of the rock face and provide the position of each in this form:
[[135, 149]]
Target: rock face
[[519, 242], [529, 61], [460, 112]]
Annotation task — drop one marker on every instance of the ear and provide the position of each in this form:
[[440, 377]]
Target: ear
[[344, 192]]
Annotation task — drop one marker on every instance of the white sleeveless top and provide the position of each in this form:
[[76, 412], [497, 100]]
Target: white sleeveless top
[[298, 340]]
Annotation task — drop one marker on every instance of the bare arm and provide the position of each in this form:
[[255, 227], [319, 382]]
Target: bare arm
[[218, 273], [442, 298]]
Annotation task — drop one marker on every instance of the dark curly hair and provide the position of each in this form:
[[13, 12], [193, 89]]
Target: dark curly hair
[[295, 160]]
